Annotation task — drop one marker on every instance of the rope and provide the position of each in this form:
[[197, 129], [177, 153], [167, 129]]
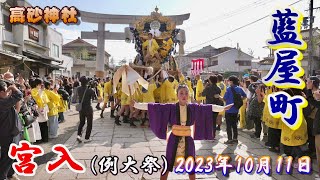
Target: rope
[[30, 69], [155, 74], [13, 65]]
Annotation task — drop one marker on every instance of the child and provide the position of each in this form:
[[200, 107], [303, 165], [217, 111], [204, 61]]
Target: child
[[181, 116]]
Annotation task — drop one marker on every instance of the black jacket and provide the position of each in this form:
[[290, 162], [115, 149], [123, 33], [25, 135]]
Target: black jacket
[[10, 125], [209, 93], [69, 89], [316, 121], [65, 95], [86, 104]]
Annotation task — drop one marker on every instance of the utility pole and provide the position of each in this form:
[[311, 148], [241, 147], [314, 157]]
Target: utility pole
[[310, 45]]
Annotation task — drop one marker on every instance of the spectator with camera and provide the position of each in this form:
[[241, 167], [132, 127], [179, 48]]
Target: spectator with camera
[[10, 126], [29, 106]]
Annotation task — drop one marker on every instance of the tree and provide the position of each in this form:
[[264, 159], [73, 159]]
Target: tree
[[251, 52], [84, 54], [123, 62], [80, 53], [111, 62]]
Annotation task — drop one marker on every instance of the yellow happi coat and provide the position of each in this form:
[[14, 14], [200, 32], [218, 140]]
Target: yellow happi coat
[[223, 89], [269, 120], [242, 112], [182, 79], [100, 91], [157, 94], [54, 102], [290, 137], [63, 105], [107, 90], [137, 96], [168, 94], [166, 46], [40, 97], [152, 47], [148, 97], [119, 91], [199, 90]]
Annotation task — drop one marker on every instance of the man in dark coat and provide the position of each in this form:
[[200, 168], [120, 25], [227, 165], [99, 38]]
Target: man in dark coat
[[10, 125]]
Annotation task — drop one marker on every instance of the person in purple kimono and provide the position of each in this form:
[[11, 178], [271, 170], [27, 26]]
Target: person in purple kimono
[[181, 116]]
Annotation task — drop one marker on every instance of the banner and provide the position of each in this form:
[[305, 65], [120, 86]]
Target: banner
[[197, 66]]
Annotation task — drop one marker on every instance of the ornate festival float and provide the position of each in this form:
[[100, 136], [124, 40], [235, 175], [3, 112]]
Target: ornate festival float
[[156, 54], [156, 38]]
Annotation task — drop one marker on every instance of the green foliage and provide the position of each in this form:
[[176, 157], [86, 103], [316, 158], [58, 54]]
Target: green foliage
[[122, 62], [80, 53]]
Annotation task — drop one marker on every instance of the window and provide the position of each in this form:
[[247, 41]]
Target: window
[[7, 24], [55, 50], [244, 63], [213, 63]]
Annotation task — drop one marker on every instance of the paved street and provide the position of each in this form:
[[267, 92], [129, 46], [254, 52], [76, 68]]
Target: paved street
[[122, 141]]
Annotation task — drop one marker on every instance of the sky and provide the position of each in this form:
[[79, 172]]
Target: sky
[[208, 19]]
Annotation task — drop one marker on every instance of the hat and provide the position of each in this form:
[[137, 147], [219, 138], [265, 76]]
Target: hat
[[84, 80]]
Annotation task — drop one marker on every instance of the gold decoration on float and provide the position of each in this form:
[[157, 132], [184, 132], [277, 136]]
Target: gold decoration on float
[[152, 19]]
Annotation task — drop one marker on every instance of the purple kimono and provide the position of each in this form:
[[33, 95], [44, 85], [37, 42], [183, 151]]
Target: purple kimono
[[162, 114]]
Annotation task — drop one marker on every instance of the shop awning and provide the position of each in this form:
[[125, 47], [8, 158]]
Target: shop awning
[[11, 54], [54, 66], [26, 58], [38, 56], [17, 56]]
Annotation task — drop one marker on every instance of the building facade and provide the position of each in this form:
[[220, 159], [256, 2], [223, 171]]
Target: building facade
[[26, 48], [232, 60], [316, 51], [184, 62], [84, 57], [266, 64], [217, 60]]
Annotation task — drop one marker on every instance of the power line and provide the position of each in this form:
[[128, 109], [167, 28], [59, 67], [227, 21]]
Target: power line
[[232, 13], [241, 27]]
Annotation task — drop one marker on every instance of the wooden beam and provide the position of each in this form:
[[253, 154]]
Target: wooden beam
[[123, 19], [107, 35]]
